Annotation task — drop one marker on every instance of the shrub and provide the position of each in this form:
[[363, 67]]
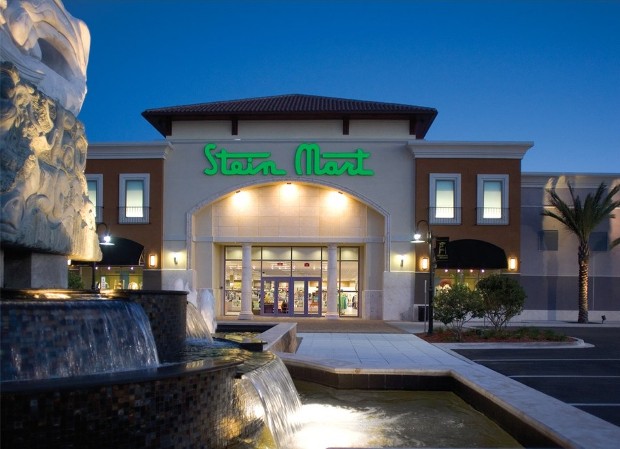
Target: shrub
[[502, 298], [457, 305], [75, 281]]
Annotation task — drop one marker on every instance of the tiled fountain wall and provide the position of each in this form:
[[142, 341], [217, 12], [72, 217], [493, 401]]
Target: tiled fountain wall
[[178, 408], [167, 313], [177, 405]]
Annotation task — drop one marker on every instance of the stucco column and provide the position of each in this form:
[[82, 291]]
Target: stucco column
[[332, 282], [246, 283]]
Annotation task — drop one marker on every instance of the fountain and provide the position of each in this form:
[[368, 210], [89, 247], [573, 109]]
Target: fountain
[[82, 368]]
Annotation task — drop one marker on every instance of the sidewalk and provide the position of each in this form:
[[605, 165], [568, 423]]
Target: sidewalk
[[401, 352]]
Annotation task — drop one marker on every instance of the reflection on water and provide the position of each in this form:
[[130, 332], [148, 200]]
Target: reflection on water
[[357, 418]]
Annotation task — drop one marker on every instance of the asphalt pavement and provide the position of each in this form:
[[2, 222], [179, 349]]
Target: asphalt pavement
[[586, 377]]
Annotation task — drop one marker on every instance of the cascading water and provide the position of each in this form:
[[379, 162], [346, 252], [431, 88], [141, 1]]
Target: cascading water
[[197, 328], [272, 385], [47, 339], [265, 389], [205, 302]]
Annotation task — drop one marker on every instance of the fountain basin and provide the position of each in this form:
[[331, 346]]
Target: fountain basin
[[525, 431], [278, 337], [183, 405], [180, 402]]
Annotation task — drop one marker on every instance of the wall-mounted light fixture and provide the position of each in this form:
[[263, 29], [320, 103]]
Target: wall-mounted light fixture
[[152, 260], [512, 263], [175, 258], [402, 260], [424, 263]]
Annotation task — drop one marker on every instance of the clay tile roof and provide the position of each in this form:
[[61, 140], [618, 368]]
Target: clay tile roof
[[292, 106]]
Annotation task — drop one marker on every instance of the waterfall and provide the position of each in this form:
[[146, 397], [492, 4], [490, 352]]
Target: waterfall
[[273, 386], [197, 328], [48, 339], [205, 302]]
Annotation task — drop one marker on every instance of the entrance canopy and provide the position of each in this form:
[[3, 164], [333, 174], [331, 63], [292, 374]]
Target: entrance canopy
[[473, 254], [123, 252]]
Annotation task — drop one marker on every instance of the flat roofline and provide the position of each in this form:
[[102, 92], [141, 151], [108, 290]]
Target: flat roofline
[[424, 149]]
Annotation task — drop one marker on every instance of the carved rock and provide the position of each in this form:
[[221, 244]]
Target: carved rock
[[43, 191], [49, 47]]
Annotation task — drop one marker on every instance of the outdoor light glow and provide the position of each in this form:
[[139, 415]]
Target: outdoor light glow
[[107, 240], [330, 426], [241, 199], [289, 190], [336, 200], [512, 263], [424, 263]]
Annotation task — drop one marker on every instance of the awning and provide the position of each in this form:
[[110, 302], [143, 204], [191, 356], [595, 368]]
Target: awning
[[123, 252], [473, 254]]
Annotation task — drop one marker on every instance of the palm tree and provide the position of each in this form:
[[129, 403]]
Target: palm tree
[[581, 219]]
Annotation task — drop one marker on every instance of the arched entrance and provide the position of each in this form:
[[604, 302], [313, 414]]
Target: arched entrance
[[289, 227]]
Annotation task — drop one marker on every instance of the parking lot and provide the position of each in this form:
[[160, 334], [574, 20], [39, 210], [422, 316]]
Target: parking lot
[[587, 378]]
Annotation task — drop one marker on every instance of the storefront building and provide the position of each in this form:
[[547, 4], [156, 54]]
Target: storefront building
[[300, 205]]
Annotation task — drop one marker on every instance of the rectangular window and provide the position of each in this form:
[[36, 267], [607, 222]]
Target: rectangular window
[[598, 241], [493, 199], [445, 198], [134, 198], [548, 240], [95, 195]]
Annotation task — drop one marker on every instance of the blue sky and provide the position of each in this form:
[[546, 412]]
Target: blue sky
[[540, 70]]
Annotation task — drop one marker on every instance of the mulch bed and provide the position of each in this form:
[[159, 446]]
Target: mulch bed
[[517, 335]]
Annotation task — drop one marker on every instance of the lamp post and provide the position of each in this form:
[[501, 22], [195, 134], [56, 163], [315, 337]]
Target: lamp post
[[417, 238], [106, 241]]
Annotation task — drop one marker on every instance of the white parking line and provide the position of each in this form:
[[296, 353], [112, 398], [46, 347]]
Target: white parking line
[[563, 376], [545, 360], [585, 404]]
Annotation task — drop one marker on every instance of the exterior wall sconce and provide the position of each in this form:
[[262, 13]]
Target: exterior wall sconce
[[512, 263], [152, 260], [424, 263], [402, 260], [175, 258]]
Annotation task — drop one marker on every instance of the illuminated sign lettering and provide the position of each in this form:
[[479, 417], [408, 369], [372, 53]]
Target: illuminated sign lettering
[[331, 166], [309, 160], [239, 163]]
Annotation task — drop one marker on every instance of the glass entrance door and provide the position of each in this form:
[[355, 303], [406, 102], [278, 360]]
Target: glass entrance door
[[294, 296]]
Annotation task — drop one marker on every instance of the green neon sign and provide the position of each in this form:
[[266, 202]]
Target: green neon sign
[[309, 160]]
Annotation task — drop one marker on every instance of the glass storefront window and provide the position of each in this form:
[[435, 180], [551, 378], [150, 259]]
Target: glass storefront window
[[348, 279], [109, 277], [299, 273], [232, 287], [445, 278]]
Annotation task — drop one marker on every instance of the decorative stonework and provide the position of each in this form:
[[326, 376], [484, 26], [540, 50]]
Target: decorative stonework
[[43, 191], [49, 47]]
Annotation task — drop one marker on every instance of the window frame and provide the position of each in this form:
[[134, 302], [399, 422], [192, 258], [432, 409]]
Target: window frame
[[546, 236], [505, 215], [122, 196], [595, 239], [432, 200], [98, 205]]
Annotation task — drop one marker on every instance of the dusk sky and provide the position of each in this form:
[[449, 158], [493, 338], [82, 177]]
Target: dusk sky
[[541, 71]]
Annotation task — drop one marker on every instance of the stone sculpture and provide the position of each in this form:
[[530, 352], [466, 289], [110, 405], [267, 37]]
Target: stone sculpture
[[43, 192]]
